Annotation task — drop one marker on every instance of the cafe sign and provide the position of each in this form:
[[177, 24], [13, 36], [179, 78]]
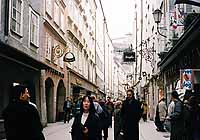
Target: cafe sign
[[129, 56]]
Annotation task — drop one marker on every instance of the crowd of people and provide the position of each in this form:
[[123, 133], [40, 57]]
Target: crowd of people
[[181, 118], [93, 117]]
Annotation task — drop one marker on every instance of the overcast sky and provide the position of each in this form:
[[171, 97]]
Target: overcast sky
[[119, 16]]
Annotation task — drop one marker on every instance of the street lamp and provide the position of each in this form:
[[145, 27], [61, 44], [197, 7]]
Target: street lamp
[[157, 14]]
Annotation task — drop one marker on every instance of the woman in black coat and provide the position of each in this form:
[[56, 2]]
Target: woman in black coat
[[86, 123]]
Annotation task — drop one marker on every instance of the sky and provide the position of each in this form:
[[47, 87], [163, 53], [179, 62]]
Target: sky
[[119, 16]]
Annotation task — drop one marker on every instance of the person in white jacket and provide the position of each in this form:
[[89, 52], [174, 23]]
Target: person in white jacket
[[162, 113]]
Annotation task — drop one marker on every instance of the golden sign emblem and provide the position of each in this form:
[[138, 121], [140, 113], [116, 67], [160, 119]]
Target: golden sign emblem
[[58, 51]]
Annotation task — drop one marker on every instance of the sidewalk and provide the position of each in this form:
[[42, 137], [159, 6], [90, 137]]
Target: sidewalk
[[60, 131], [148, 132]]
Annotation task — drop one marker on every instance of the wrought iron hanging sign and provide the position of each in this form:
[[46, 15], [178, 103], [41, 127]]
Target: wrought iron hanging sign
[[129, 56]]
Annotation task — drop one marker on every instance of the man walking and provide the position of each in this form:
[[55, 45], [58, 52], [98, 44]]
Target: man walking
[[67, 109], [131, 113], [110, 107]]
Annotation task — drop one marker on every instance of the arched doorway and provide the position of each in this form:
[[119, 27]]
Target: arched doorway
[[61, 93], [49, 99]]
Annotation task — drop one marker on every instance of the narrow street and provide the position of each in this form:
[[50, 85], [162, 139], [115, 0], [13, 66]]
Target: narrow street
[[61, 131]]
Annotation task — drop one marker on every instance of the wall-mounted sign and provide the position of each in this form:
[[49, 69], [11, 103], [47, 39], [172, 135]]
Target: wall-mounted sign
[[55, 72], [69, 57], [129, 56]]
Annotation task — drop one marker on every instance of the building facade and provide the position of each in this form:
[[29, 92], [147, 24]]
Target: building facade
[[81, 38], [20, 50]]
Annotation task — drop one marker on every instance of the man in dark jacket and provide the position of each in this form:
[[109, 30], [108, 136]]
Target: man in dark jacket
[[131, 113], [110, 107], [21, 120], [104, 119], [67, 109]]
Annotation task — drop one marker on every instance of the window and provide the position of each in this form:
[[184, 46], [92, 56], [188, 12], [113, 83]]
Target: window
[[56, 13], [48, 47], [62, 24], [34, 28], [48, 7], [16, 18]]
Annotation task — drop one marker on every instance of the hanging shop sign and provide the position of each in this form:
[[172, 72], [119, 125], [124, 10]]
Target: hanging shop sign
[[129, 56], [187, 79], [58, 51], [69, 57]]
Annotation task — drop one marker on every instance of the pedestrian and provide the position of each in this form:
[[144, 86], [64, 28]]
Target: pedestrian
[[67, 107], [117, 119], [176, 118], [170, 110], [97, 106], [110, 107], [187, 117], [195, 117], [144, 114], [77, 104], [100, 114], [104, 120], [86, 123], [131, 113], [162, 112], [21, 119]]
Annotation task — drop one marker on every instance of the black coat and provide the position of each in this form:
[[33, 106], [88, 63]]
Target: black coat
[[22, 122], [131, 113], [177, 122], [92, 124]]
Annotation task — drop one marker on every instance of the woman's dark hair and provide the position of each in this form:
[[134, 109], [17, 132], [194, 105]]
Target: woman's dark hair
[[174, 94], [16, 92], [92, 108]]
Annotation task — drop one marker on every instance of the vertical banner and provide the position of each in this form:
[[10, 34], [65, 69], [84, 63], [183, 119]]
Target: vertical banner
[[187, 79]]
